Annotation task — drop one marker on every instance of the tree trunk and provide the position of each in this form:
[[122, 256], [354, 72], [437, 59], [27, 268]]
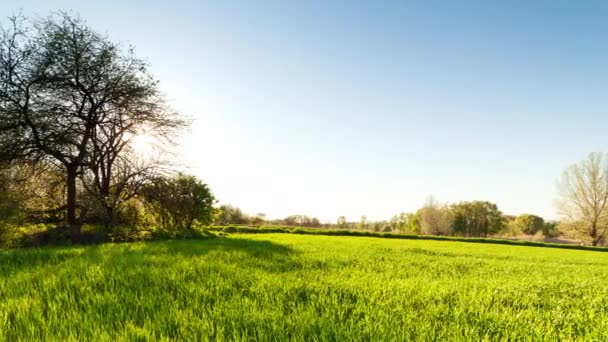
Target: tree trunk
[[71, 171], [594, 237], [109, 215]]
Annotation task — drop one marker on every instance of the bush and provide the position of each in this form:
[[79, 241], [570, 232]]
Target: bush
[[550, 229], [529, 224], [10, 216], [230, 229], [180, 202]]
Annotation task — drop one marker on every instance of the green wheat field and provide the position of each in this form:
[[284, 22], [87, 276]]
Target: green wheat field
[[303, 287]]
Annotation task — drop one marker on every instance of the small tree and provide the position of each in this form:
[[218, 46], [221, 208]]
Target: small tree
[[529, 224], [180, 201], [258, 219], [228, 214], [434, 218], [341, 223], [583, 200], [301, 221], [550, 229], [363, 223], [413, 223], [399, 222]]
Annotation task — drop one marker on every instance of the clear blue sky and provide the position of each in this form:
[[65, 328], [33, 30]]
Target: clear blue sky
[[332, 108]]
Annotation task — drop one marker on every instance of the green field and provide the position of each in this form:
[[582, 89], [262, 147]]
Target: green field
[[303, 287]]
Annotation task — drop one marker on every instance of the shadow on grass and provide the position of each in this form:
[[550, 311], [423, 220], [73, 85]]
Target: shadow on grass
[[255, 248], [14, 261], [252, 252]]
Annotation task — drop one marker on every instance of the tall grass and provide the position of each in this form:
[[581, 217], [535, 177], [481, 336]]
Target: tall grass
[[303, 287]]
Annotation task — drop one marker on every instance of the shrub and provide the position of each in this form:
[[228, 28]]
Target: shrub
[[529, 224], [179, 202], [10, 216]]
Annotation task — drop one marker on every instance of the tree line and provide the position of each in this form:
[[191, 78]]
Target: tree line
[[582, 203], [468, 219]]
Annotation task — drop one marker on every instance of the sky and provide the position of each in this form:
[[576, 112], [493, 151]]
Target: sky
[[330, 108]]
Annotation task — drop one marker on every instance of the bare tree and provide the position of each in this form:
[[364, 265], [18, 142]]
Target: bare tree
[[583, 199], [434, 218], [114, 171], [62, 85]]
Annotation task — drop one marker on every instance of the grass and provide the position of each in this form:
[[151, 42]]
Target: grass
[[303, 287]]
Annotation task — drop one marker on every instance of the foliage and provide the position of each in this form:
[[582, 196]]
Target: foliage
[[301, 221], [228, 214], [387, 229], [379, 226], [294, 287], [10, 216], [529, 224], [37, 188], [180, 201], [477, 218], [70, 97], [11, 211], [435, 218], [258, 219], [363, 223], [405, 223], [583, 198], [551, 229]]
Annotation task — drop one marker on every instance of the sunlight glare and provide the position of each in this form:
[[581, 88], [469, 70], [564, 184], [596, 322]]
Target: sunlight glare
[[143, 144]]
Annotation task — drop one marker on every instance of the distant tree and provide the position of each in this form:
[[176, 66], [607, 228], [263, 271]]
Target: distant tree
[[405, 223], [583, 199], [477, 218], [529, 224], [509, 227], [228, 214], [363, 223], [387, 228], [341, 223], [258, 219], [379, 226], [434, 218], [550, 229], [413, 223], [509, 218], [180, 201], [301, 221], [399, 222]]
